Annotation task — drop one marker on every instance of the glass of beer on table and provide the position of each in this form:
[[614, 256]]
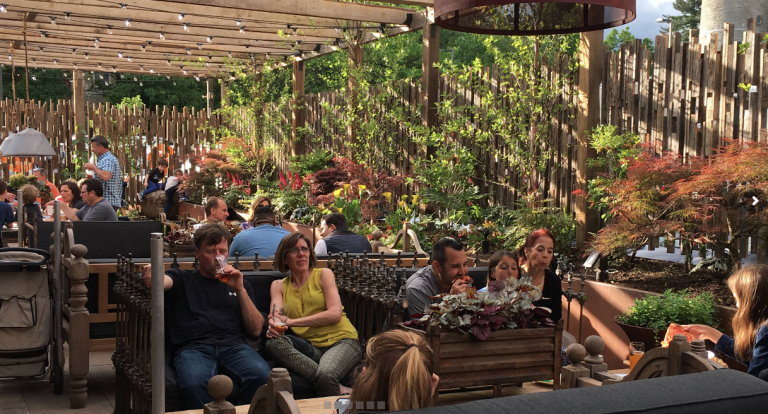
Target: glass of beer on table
[[636, 351], [219, 263], [279, 316]]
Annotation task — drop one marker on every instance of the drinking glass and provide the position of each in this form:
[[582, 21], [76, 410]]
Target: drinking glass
[[279, 316], [636, 351], [219, 263]]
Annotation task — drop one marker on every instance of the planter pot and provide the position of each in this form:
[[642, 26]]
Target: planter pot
[[181, 250], [640, 334], [507, 357]]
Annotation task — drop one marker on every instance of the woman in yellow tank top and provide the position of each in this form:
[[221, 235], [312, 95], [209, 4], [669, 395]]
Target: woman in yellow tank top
[[323, 345]]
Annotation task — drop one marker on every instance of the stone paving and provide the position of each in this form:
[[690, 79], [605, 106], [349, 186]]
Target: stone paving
[[37, 397]]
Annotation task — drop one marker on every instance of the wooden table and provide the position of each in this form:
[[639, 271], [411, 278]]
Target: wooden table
[[324, 405]]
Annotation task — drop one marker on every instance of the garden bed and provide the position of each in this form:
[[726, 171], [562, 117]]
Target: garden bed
[[658, 276]]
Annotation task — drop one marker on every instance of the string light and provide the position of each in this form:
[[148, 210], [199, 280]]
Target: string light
[[185, 71], [96, 42], [55, 62], [189, 52], [181, 16], [101, 76], [53, 20], [143, 48], [99, 66], [128, 22], [43, 34], [242, 29], [238, 21], [123, 5], [200, 46], [141, 83], [229, 54], [120, 55], [3, 8], [134, 79], [34, 78], [169, 63], [168, 77], [130, 59], [151, 70], [186, 27], [11, 58], [109, 29], [141, 67], [209, 39], [86, 55], [149, 43], [66, 15], [114, 69], [162, 35]]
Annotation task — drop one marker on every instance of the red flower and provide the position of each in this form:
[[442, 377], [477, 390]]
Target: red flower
[[469, 203], [282, 180], [578, 193], [369, 237], [470, 181], [389, 228]]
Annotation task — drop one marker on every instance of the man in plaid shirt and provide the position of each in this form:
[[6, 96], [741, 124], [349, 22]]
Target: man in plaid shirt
[[107, 169]]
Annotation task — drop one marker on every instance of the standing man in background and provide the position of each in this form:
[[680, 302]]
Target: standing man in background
[[107, 170]]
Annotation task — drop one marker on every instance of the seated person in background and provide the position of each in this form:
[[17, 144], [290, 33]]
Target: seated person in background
[[337, 239], [173, 185], [324, 345], [536, 255], [398, 374], [7, 215], [207, 320], [153, 180], [96, 208], [442, 276], [42, 177], [502, 266], [70, 195], [216, 210], [750, 324], [29, 195], [260, 201], [263, 238]]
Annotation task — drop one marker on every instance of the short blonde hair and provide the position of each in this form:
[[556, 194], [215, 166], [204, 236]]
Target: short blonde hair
[[29, 194], [288, 243]]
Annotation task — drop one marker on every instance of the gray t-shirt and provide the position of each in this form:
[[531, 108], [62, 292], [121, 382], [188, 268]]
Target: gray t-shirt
[[101, 211], [418, 289]]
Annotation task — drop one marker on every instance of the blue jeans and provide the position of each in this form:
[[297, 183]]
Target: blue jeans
[[195, 366], [152, 187]]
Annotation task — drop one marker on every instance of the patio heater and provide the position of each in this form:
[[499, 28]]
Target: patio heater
[[523, 18]]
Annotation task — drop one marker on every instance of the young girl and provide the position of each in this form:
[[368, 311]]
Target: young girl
[[750, 288], [502, 266], [398, 374]]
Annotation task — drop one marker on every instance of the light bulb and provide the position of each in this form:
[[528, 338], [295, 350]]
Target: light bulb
[[229, 54], [120, 55], [242, 29], [181, 16], [43, 34], [186, 27], [141, 67], [169, 62], [55, 62], [200, 46], [96, 42], [114, 69], [34, 78], [189, 52], [86, 56], [162, 35], [101, 76], [53, 20], [134, 79], [109, 28], [66, 15], [130, 59], [3, 8], [185, 71], [128, 22], [151, 70], [141, 83], [209, 39]]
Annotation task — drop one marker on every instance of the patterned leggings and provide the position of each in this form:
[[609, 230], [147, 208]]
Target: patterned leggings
[[324, 367]]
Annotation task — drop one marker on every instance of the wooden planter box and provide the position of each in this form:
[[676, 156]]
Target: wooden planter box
[[507, 357], [181, 250]]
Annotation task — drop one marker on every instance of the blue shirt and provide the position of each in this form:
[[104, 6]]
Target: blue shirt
[[7, 215], [113, 188], [263, 239], [759, 360]]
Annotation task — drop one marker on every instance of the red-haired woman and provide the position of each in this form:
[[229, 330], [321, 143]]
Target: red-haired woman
[[535, 256]]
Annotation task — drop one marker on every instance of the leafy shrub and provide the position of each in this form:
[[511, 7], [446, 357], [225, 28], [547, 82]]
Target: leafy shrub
[[516, 225], [657, 312], [446, 183], [311, 163], [18, 180]]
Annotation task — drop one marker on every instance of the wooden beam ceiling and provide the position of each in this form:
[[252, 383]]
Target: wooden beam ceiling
[[189, 33]]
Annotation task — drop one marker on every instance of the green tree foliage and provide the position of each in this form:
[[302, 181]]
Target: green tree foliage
[[44, 85], [156, 90], [689, 18], [616, 38]]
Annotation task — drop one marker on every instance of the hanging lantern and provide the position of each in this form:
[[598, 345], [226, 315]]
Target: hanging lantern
[[519, 18]]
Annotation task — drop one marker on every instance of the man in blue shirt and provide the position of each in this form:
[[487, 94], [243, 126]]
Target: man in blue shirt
[[263, 238], [107, 170], [7, 215]]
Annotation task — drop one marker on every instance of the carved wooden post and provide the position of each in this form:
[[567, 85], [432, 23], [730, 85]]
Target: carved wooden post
[[219, 387], [571, 373], [276, 397], [79, 330]]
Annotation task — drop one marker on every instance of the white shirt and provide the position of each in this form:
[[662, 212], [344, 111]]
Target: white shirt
[[172, 182], [320, 248]]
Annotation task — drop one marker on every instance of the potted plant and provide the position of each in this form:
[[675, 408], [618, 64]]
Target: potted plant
[[519, 342], [647, 320]]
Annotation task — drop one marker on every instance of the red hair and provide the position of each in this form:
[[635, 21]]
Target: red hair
[[531, 239]]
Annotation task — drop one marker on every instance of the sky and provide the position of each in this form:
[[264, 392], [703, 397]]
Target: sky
[[648, 11]]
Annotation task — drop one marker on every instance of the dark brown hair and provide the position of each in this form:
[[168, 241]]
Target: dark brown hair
[[750, 287], [162, 162], [288, 243], [211, 235], [72, 185], [398, 371], [496, 258], [92, 184], [3, 186]]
